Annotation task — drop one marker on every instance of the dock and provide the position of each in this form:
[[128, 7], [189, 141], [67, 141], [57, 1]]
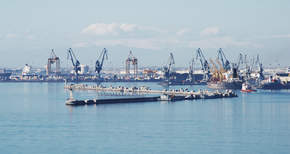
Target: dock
[[170, 95]]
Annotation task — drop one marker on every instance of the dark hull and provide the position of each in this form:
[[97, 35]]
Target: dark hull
[[5, 75], [225, 85], [274, 86], [180, 77]]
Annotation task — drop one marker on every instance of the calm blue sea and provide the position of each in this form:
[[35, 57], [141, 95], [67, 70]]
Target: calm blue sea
[[35, 119]]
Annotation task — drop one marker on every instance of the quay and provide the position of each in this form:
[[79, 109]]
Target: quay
[[147, 90], [170, 95]]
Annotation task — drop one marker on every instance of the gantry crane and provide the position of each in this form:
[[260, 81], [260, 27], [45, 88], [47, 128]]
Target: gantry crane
[[247, 67], [252, 63], [71, 55], [225, 62], [190, 71], [53, 59], [167, 67], [222, 69], [204, 64], [235, 66], [99, 62], [260, 68], [216, 73], [134, 61]]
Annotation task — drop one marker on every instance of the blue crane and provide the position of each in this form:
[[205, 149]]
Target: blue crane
[[260, 68], [225, 62], [204, 64], [71, 55], [99, 62], [235, 67], [167, 67]]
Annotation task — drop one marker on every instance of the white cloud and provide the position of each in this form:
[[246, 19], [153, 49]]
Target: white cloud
[[271, 36], [182, 32], [27, 31], [210, 31], [12, 35], [30, 37], [282, 36], [114, 29], [136, 43], [156, 42], [127, 27], [163, 43], [79, 45], [102, 29], [221, 42]]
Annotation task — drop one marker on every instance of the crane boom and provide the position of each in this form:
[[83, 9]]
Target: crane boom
[[167, 67], [225, 62], [204, 64], [260, 68], [216, 73], [240, 58], [71, 55], [222, 69], [99, 62], [235, 67], [252, 63]]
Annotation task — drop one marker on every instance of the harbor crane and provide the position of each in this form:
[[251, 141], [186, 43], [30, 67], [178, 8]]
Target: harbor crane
[[222, 70], [260, 68], [190, 71], [204, 64], [71, 55], [99, 62], [53, 59], [235, 66], [217, 73], [247, 67], [225, 62], [134, 61], [252, 63], [167, 67]]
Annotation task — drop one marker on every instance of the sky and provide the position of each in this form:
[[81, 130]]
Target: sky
[[151, 29]]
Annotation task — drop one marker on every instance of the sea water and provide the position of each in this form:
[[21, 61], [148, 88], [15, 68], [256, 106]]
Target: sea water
[[35, 119]]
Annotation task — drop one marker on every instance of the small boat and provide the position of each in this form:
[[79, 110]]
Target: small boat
[[247, 87]]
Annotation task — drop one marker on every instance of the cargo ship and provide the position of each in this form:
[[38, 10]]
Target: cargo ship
[[5, 76], [225, 84], [181, 79], [225, 80], [273, 83]]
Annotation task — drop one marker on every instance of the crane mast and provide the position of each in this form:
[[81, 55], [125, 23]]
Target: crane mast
[[216, 73], [236, 66], [252, 63], [222, 69], [167, 67], [260, 68], [225, 62], [247, 67], [53, 59], [190, 71], [99, 62], [71, 55], [204, 64]]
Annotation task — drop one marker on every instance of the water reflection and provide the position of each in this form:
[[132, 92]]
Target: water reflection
[[54, 87]]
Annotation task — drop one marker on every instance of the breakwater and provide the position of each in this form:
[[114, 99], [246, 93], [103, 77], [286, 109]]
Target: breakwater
[[146, 90]]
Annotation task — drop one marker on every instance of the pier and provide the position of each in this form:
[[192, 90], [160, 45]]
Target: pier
[[166, 95]]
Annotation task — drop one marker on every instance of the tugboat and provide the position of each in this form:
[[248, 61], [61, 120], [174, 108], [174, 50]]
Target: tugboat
[[247, 87]]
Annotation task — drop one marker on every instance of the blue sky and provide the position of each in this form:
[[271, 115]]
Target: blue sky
[[150, 29]]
